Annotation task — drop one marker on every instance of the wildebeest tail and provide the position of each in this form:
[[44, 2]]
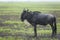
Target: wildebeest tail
[[55, 26]]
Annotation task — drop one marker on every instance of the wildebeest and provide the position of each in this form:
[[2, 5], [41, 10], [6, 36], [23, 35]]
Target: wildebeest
[[35, 18]]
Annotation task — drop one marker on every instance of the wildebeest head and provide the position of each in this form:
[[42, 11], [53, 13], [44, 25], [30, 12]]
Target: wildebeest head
[[24, 14]]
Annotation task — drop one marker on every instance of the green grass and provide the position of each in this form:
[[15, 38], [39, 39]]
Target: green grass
[[16, 8], [24, 30], [11, 24]]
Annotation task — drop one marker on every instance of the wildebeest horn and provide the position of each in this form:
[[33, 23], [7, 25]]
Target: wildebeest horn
[[27, 9]]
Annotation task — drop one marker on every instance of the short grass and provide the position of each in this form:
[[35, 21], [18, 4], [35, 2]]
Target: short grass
[[11, 27]]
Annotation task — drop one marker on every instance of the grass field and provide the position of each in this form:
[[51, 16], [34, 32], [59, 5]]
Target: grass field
[[11, 27]]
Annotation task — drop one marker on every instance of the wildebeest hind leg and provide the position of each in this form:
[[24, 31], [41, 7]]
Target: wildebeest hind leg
[[53, 30], [35, 31]]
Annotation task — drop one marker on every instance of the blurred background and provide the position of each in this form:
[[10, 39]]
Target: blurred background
[[12, 28]]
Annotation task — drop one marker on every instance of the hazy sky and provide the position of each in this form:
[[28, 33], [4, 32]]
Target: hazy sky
[[30, 0]]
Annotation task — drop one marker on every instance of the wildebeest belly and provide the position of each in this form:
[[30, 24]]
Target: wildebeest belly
[[42, 22]]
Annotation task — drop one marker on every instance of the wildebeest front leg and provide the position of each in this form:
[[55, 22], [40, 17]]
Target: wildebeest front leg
[[35, 31]]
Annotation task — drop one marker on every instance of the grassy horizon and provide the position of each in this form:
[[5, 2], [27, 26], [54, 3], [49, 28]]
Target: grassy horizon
[[10, 23]]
